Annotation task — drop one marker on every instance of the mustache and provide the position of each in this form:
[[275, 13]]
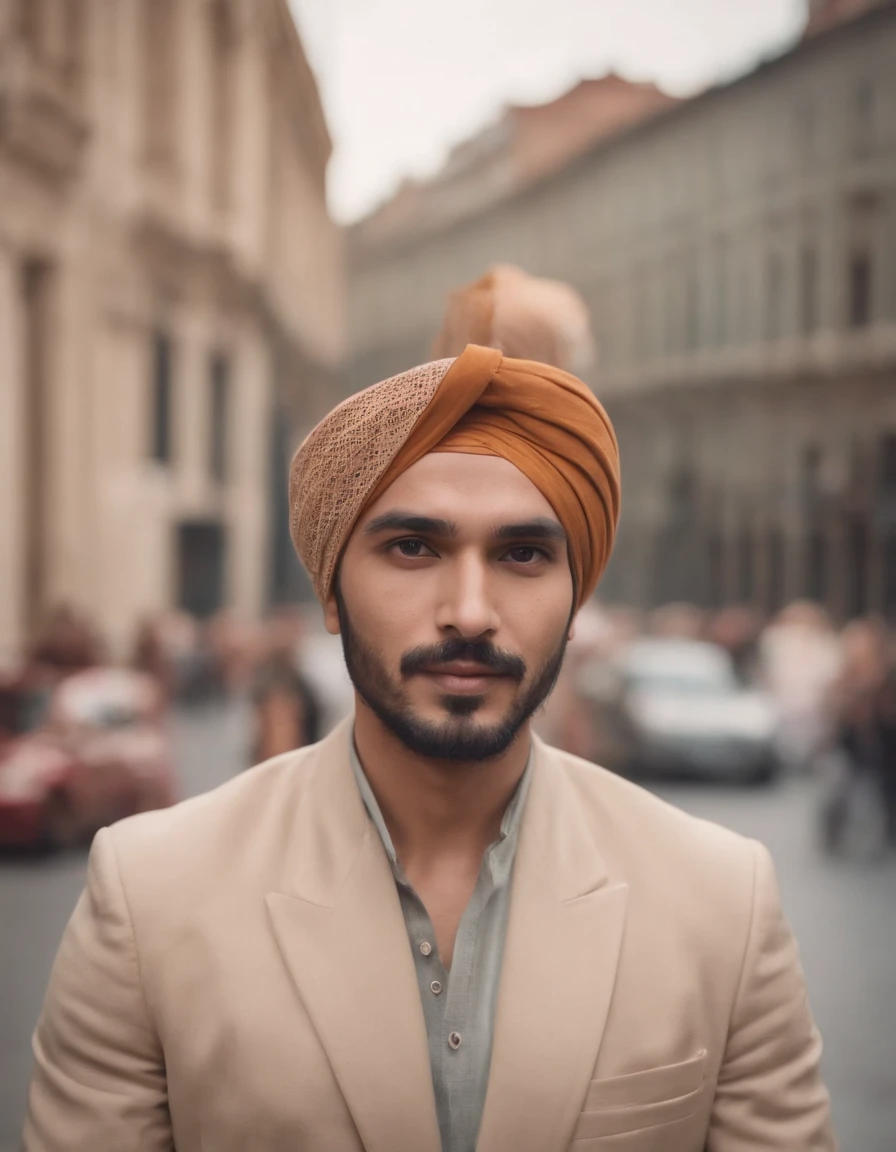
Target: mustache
[[476, 651]]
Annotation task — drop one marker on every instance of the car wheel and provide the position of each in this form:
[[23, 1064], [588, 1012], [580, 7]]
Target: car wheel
[[62, 829]]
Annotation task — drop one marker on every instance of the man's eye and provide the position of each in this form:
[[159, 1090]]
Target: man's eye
[[411, 548], [525, 554]]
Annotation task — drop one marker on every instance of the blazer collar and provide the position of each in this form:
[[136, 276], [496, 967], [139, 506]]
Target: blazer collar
[[339, 926]]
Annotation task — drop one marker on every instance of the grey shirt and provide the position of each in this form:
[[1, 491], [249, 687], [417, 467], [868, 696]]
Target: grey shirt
[[459, 1009]]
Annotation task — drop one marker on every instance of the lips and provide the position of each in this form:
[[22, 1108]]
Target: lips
[[460, 668], [460, 678]]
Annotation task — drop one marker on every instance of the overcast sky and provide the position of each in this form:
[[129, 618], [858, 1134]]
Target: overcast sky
[[404, 80]]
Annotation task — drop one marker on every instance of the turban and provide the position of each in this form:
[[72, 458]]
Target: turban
[[524, 316], [541, 419]]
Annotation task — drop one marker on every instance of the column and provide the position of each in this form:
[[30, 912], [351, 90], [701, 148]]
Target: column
[[12, 463], [248, 548]]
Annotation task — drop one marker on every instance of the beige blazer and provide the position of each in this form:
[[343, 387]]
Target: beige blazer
[[237, 978]]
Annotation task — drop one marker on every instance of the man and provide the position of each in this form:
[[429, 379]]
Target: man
[[432, 931]]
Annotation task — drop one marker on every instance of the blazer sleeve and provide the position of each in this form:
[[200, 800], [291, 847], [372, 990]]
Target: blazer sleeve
[[99, 1074], [769, 1096]]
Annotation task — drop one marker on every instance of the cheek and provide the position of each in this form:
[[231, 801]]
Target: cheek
[[384, 609], [539, 623]]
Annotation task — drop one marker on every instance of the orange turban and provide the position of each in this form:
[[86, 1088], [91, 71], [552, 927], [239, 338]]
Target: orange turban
[[543, 420]]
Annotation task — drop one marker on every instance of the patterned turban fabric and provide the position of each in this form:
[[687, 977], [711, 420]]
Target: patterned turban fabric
[[542, 420]]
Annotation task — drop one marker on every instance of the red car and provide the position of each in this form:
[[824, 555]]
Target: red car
[[100, 753]]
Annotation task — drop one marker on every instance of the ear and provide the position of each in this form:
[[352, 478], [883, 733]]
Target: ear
[[571, 635], [331, 615]]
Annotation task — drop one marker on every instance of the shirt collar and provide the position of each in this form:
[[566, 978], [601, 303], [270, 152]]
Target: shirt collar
[[499, 855]]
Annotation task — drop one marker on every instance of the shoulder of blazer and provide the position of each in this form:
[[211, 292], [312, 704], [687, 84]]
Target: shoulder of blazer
[[230, 837], [637, 831]]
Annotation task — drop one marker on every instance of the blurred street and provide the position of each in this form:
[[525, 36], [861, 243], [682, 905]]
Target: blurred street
[[37, 897], [844, 916]]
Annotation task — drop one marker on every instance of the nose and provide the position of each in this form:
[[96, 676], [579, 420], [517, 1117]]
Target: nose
[[466, 605]]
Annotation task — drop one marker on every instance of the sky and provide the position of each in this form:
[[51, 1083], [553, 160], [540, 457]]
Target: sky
[[402, 81]]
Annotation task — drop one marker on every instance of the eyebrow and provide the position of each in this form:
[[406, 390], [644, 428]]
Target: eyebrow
[[410, 522], [539, 528]]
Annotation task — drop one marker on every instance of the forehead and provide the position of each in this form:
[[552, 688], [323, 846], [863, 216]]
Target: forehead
[[470, 490]]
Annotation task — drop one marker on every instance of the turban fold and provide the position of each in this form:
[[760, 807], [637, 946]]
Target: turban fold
[[542, 420]]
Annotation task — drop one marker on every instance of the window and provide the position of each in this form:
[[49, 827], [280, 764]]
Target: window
[[720, 304], [715, 568], [745, 566], [815, 580], [863, 118], [888, 463], [808, 290], [859, 289], [857, 553], [806, 133], [811, 477], [160, 446], [32, 15], [775, 569], [692, 309], [219, 375], [774, 297]]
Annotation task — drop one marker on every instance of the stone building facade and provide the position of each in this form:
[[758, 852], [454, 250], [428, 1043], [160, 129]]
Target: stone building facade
[[738, 252], [171, 304]]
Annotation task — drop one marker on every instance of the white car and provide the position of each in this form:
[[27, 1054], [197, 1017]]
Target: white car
[[676, 707]]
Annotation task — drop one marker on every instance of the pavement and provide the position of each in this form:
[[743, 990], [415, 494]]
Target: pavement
[[844, 917]]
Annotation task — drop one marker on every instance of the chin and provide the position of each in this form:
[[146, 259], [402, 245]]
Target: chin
[[461, 707]]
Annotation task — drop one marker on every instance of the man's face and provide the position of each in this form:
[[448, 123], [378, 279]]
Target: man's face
[[453, 601]]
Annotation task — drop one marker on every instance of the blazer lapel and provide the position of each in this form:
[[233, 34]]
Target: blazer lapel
[[563, 940], [340, 929]]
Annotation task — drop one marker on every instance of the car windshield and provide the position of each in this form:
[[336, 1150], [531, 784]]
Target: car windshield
[[692, 670]]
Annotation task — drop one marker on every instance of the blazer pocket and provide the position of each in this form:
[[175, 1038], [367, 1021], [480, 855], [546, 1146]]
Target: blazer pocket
[[642, 1099]]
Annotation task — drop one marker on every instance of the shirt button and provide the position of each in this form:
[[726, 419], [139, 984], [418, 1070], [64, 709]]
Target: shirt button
[[426, 948], [435, 987], [454, 1040]]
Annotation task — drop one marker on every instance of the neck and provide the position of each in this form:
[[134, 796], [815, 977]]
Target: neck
[[437, 808]]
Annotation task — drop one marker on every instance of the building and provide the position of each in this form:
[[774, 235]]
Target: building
[[171, 304], [738, 252]]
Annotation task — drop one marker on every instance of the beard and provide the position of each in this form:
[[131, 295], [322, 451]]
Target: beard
[[459, 736]]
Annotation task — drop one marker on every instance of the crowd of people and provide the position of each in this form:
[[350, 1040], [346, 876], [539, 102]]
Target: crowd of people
[[834, 687]]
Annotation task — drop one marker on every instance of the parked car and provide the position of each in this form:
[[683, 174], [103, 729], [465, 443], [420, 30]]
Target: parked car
[[667, 707], [97, 751]]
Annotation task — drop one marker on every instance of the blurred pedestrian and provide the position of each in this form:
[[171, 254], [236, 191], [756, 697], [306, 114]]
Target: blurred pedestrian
[[150, 655], [864, 702], [432, 930], [287, 710], [799, 661], [67, 642], [739, 630]]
